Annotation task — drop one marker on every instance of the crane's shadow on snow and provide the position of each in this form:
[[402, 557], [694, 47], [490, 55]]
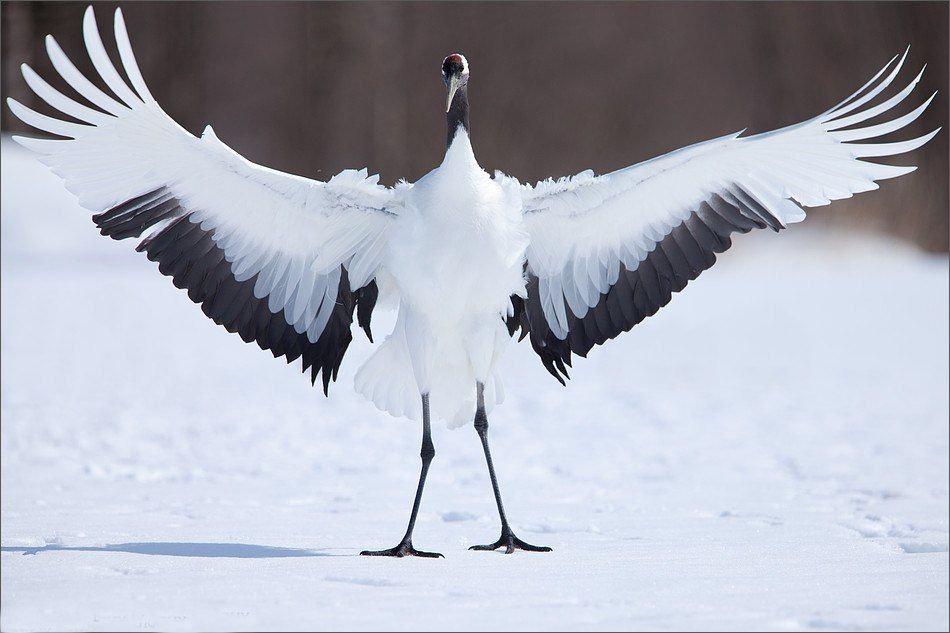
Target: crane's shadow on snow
[[191, 550]]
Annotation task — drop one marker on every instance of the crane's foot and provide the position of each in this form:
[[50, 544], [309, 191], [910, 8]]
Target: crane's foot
[[510, 542], [403, 549]]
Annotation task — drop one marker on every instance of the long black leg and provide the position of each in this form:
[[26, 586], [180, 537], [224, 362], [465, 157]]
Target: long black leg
[[508, 539], [405, 547]]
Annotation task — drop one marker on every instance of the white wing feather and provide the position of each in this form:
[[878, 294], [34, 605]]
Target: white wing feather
[[293, 232], [582, 227]]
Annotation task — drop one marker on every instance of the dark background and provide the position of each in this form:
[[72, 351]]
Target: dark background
[[555, 87]]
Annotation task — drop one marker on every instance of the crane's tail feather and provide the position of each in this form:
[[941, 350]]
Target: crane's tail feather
[[386, 379]]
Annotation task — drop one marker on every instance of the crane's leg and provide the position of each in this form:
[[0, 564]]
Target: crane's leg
[[508, 540], [405, 547]]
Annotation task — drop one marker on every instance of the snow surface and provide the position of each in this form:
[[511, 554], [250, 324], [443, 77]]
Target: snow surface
[[770, 451]]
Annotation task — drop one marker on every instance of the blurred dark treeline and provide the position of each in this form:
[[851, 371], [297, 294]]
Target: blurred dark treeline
[[556, 88]]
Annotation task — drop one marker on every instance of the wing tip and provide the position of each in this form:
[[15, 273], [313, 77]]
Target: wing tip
[[903, 59], [925, 138], [54, 50], [25, 142], [870, 89]]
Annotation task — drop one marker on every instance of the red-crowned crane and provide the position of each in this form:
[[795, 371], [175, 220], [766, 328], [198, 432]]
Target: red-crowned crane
[[469, 258]]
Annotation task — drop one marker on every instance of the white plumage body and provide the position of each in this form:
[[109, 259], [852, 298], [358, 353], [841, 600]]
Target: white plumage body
[[455, 256]]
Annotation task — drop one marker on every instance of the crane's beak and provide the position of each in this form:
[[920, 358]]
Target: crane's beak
[[454, 82]]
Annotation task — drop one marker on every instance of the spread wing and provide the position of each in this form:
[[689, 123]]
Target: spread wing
[[608, 251], [279, 259]]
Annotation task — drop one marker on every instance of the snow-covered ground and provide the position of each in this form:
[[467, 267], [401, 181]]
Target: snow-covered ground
[[770, 451]]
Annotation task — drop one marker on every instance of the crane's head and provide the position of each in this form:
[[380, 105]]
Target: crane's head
[[454, 74]]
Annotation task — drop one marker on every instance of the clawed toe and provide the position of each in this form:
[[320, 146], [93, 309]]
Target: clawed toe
[[511, 543], [400, 551]]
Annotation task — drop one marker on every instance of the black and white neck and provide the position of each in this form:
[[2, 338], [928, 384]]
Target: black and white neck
[[457, 116], [455, 76]]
